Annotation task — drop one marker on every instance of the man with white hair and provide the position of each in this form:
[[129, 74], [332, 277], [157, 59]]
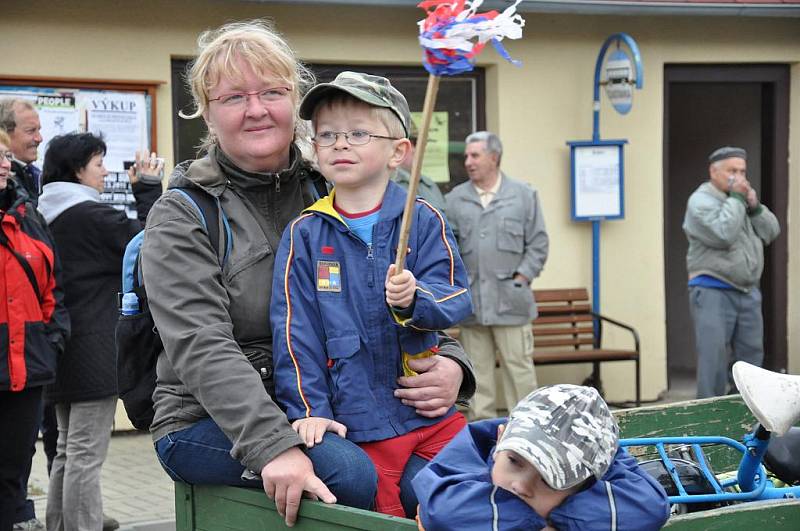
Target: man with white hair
[[727, 228], [499, 226], [20, 120]]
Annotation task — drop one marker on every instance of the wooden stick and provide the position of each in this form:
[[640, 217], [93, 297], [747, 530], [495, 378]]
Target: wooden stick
[[416, 171]]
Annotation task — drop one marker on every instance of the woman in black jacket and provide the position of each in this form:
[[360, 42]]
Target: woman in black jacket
[[34, 326], [90, 237]]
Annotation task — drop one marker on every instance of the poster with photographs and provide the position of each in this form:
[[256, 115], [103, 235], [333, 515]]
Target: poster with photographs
[[121, 118]]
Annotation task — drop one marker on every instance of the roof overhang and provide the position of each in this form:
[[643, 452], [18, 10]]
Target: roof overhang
[[741, 8]]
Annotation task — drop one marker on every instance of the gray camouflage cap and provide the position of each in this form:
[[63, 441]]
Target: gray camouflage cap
[[565, 431], [372, 90]]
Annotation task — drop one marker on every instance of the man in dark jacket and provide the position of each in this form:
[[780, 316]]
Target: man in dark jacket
[[20, 120]]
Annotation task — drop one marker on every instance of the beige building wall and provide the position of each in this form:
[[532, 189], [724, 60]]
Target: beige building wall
[[535, 109]]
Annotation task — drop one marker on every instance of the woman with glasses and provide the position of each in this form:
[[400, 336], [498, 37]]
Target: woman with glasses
[[90, 238], [215, 418], [34, 326]]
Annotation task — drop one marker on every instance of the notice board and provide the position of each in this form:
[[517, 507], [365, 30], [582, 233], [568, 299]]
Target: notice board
[[122, 112]]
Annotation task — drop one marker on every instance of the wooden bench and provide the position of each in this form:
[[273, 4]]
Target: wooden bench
[[209, 508], [567, 331]]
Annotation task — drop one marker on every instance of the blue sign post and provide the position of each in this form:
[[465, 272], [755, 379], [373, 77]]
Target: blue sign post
[[597, 166]]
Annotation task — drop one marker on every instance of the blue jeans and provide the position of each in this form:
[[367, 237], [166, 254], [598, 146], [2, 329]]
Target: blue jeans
[[200, 454]]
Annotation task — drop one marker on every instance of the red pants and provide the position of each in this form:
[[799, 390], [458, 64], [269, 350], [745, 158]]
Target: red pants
[[391, 455]]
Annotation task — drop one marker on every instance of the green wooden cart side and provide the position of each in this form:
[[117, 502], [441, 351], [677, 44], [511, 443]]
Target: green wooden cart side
[[213, 508], [726, 416], [766, 515]]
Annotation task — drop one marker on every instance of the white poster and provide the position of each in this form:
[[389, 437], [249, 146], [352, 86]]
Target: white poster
[[58, 116], [121, 119], [597, 181]]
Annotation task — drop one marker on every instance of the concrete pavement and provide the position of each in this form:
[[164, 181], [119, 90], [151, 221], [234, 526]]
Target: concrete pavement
[[136, 491]]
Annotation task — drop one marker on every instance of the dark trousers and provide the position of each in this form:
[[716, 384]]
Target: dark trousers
[[20, 416], [49, 428], [49, 434]]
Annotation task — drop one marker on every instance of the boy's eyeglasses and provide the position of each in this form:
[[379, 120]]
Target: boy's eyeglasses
[[239, 99], [6, 155], [358, 137]]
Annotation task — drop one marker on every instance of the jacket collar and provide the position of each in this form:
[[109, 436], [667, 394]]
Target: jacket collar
[[392, 206], [18, 197], [713, 190], [57, 197], [215, 171], [503, 192]]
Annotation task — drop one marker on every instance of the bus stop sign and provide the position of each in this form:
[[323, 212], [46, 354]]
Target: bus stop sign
[[619, 81]]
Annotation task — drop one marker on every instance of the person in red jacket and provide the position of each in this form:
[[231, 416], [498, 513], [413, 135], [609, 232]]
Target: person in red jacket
[[34, 327]]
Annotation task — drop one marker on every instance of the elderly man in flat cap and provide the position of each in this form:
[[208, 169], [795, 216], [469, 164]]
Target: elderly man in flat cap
[[727, 229]]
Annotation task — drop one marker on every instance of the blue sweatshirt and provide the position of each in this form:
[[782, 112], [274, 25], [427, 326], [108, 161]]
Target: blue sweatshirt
[[455, 491]]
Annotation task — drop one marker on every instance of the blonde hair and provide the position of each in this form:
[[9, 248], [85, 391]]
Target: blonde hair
[[259, 45], [384, 115], [5, 139]]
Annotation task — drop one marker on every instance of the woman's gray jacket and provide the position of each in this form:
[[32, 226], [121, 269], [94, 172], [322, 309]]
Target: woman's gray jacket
[[214, 322]]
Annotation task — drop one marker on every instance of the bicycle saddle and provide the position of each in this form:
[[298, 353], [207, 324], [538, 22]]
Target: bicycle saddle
[[782, 457], [773, 397]]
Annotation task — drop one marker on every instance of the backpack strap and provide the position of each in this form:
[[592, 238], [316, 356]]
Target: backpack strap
[[210, 209], [315, 184]]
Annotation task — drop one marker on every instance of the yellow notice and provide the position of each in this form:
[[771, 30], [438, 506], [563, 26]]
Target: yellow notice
[[435, 163]]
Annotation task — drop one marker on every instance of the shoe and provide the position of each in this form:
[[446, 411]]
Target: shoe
[[109, 523], [29, 525]]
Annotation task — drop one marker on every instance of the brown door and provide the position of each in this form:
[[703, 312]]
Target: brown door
[[705, 107]]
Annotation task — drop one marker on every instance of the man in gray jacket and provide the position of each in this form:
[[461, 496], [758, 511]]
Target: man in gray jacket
[[499, 226], [727, 229]]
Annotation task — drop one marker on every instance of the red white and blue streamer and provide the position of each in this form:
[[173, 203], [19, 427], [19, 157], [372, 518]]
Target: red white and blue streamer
[[454, 33]]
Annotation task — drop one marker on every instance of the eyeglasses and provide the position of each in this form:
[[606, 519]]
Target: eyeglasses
[[7, 155], [358, 137], [265, 96]]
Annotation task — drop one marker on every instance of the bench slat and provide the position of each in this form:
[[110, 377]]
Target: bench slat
[[568, 294], [564, 331], [562, 342], [560, 319], [563, 308], [549, 357]]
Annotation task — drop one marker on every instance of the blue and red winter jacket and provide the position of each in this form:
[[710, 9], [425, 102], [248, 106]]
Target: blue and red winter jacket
[[455, 492], [33, 331], [337, 346]]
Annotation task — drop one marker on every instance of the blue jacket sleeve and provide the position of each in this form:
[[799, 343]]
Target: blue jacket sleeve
[[299, 355], [442, 297], [455, 490], [626, 494]]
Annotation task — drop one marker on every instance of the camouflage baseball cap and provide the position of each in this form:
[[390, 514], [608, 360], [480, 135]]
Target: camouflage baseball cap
[[372, 90], [565, 431]]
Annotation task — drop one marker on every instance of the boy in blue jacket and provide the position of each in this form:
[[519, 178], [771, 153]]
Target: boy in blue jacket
[[556, 465], [343, 318]]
